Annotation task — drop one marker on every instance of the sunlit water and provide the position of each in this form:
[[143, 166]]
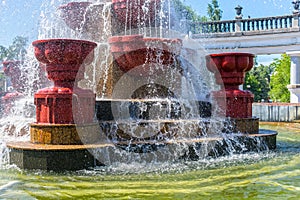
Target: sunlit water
[[265, 175]]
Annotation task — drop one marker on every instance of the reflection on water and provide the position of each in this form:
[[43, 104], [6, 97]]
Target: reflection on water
[[266, 175]]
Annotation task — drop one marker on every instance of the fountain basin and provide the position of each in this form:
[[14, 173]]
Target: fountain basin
[[64, 58], [136, 13], [12, 69], [74, 14], [87, 18], [230, 68], [141, 56]]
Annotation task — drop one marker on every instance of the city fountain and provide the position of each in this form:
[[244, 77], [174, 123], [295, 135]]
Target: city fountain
[[144, 108]]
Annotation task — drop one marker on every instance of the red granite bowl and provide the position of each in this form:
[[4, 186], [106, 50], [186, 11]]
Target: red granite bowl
[[134, 12], [231, 66], [73, 13], [141, 56], [63, 57]]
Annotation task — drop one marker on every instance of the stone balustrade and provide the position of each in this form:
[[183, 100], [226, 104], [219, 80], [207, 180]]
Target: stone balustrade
[[265, 24]]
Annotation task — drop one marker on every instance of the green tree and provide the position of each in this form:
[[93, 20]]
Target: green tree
[[280, 79], [258, 82], [16, 51], [214, 11], [191, 15]]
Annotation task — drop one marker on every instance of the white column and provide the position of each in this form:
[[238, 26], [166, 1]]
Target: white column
[[294, 86]]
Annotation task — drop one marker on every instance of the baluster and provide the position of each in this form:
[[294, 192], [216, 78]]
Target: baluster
[[229, 26], [271, 23], [191, 27], [267, 24], [215, 28], [280, 21], [220, 27], [252, 25], [205, 28], [285, 23], [233, 26], [257, 25], [243, 25], [262, 24]]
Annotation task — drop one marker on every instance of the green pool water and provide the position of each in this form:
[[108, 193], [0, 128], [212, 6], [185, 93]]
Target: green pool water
[[265, 175]]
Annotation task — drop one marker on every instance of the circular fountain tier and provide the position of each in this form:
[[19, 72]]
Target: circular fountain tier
[[148, 109], [27, 155], [166, 129], [141, 56]]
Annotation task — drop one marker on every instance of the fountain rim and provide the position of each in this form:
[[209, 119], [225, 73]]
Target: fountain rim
[[137, 37], [230, 54], [67, 5], [63, 40], [117, 2]]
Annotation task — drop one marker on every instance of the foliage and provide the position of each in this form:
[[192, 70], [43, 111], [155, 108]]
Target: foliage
[[214, 12], [15, 51], [191, 15], [258, 82], [280, 79]]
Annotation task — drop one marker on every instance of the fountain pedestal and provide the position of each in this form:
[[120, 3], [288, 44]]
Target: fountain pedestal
[[229, 70], [64, 112]]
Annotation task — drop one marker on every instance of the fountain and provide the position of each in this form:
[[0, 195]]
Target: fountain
[[143, 106], [64, 112], [12, 70]]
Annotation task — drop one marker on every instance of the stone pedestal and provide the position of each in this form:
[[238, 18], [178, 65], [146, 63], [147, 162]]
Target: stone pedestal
[[229, 70], [294, 86]]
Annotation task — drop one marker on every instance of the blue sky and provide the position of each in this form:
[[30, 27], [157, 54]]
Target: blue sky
[[21, 17], [18, 17], [252, 8]]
